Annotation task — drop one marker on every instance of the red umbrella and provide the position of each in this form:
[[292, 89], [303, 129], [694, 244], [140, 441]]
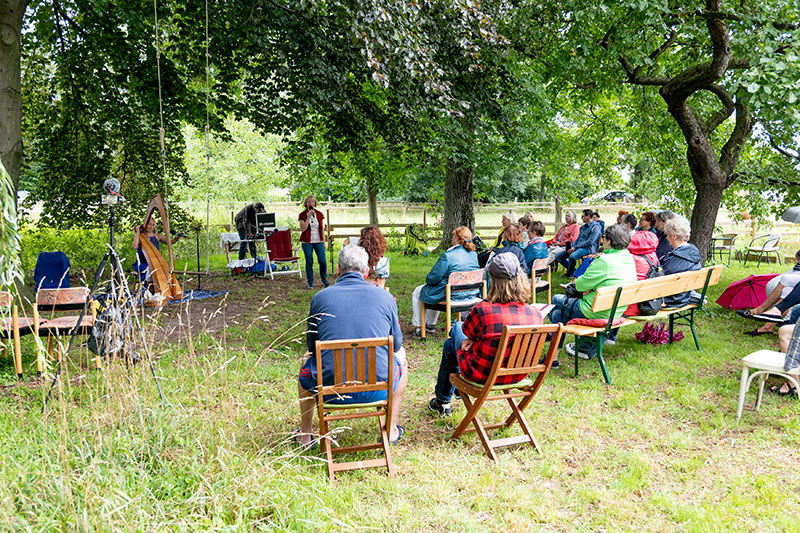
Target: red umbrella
[[746, 293]]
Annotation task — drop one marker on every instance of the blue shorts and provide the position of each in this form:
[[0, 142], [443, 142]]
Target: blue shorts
[[310, 384]]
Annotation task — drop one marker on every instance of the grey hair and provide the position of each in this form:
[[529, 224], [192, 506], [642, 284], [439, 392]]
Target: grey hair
[[665, 215], [618, 236], [572, 215], [353, 258], [678, 227]]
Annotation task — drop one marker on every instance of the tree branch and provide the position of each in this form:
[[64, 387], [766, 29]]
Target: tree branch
[[782, 150], [727, 107], [741, 131]]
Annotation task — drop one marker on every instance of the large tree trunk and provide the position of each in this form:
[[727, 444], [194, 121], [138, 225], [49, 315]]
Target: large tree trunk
[[11, 12], [372, 199], [704, 213], [458, 201]]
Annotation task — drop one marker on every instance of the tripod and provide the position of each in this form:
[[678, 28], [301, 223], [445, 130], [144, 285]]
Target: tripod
[[122, 308]]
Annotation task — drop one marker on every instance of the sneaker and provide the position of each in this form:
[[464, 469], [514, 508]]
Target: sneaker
[[443, 409], [310, 287], [325, 283], [555, 364], [418, 332], [430, 329], [581, 354], [609, 342]]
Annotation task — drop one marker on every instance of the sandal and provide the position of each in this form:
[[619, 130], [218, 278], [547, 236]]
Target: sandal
[[756, 333], [400, 432], [777, 390], [306, 446]]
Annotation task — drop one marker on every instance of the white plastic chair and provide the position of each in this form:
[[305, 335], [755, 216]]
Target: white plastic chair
[[764, 362]]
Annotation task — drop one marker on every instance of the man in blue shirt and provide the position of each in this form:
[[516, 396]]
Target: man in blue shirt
[[587, 243], [351, 309]]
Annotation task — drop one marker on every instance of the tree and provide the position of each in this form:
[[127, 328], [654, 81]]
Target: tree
[[711, 67], [11, 14]]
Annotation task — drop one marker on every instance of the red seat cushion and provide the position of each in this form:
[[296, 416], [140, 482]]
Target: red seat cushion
[[280, 246], [594, 322]]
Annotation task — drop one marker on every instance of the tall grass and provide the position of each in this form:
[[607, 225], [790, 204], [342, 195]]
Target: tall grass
[[659, 449]]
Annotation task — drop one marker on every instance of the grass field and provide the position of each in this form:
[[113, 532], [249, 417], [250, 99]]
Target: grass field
[[660, 449]]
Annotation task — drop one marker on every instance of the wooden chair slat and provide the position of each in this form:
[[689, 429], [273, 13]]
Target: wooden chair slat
[[373, 365], [338, 375], [516, 348]]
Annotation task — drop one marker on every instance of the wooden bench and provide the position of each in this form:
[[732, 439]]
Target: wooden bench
[[612, 298]]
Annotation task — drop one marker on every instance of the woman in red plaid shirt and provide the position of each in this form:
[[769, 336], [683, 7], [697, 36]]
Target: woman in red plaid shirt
[[472, 345]]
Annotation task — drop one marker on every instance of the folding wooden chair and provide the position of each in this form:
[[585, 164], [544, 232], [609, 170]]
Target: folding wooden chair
[[526, 344], [457, 282], [56, 300], [355, 370], [539, 268], [12, 328]]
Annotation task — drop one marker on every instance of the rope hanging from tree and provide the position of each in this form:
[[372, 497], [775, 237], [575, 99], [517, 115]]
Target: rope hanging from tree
[[208, 153], [161, 131]]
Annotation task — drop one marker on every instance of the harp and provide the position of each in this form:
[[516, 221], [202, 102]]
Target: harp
[[162, 273]]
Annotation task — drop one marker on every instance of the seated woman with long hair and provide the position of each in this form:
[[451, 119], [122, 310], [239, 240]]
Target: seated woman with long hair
[[373, 241], [458, 258], [472, 345]]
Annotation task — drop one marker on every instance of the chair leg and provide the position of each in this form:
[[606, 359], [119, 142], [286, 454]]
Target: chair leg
[[671, 328], [517, 414], [761, 379], [383, 421], [422, 321], [742, 392], [472, 416], [576, 356], [760, 255]]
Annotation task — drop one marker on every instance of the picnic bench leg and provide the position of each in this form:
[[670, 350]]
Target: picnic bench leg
[[576, 356], [671, 320], [600, 338], [694, 333]]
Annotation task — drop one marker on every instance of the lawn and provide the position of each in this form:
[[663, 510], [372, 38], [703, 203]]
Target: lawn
[[659, 449]]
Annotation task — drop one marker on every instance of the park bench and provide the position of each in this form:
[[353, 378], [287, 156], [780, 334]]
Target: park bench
[[613, 297]]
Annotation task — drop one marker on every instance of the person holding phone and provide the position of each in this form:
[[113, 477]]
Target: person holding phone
[[312, 240]]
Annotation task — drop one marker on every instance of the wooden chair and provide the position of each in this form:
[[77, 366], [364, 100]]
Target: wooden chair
[[526, 344], [57, 300], [457, 282], [12, 328], [355, 370], [771, 246], [540, 268]]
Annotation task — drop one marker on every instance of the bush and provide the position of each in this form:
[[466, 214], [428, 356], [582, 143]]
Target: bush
[[84, 248]]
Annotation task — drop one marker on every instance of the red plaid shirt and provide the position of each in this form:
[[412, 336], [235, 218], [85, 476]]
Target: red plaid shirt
[[484, 326]]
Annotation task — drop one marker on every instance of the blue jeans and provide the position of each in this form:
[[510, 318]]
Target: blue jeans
[[308, 252], [242, 248], [449, 364], [564, 310], [569, 260]]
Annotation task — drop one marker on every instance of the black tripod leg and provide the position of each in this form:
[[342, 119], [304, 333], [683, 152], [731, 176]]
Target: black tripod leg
[[74, 332]]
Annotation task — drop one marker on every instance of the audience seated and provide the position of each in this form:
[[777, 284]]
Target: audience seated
[[566, 234], [596, 218], [684, 256], [512, 244], [537, 247], [587, 243], [778, 300], [351, 309], [524, 225], [630, 221], [643, 249], [472, 345], [507, 220], [458, 258], [647, 222], [373, 241], [663, 243], [615, 267]]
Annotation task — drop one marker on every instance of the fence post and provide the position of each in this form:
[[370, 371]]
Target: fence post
[[558, 210], [330, 237], [424, 219]]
